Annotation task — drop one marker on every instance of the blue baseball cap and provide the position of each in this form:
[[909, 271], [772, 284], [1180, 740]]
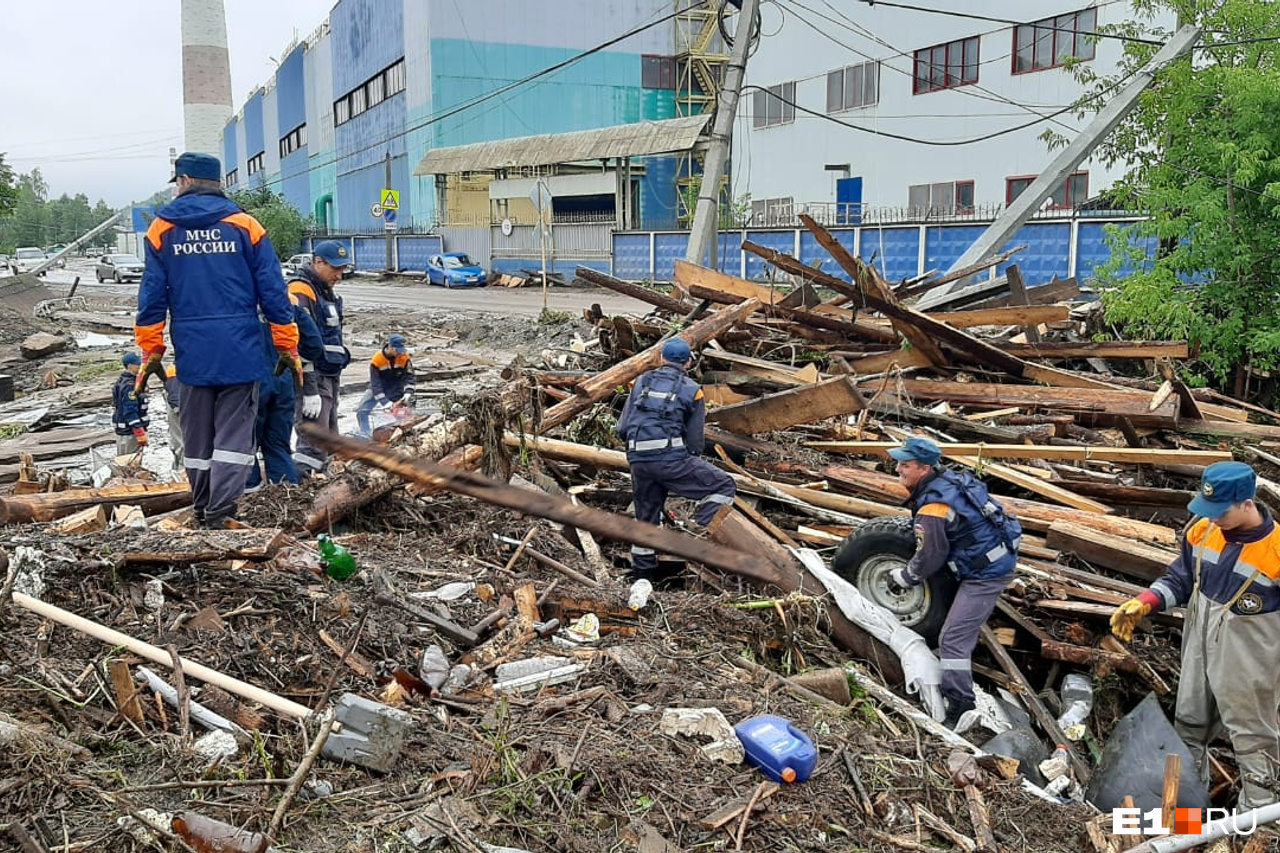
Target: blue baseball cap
[[332, 253], [676, 351], [917, 449], [398, 343], [1222, 485], [130, 358], [193, 164]]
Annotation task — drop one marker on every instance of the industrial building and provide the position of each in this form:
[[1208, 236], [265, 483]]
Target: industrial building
[[382, 82], [903, 74]]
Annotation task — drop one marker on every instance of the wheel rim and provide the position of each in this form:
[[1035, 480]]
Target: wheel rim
[[909, 607]]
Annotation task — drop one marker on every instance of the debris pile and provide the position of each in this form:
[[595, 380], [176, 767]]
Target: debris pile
[[490, 680]]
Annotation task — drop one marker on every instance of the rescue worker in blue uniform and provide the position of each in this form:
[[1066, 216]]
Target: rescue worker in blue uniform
[[311, 289], [391, 381], [662, 425], [129, 410], [1227, 575], [961, 529], [212, 270], [277, 393]]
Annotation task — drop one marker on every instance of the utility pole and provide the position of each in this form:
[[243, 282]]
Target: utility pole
[[387, 234], [542, 240], [706, 215]]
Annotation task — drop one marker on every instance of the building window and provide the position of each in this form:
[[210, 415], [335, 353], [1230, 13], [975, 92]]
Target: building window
[[257, 162], [775, 105], [658, 72], [341, 110], [773, 211], [1071, 193], [358, 102], [395, 76], [376, 89], [949, 198], [945, 66], [853, 87], [293, 140], [232, 178], [1053, 41]]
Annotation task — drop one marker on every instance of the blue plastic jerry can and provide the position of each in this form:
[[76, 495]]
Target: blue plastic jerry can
[[779, 749]]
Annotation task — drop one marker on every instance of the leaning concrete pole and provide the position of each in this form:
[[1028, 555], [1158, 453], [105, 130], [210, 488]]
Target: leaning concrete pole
[[206, 75], [999, 233], [706, 215]]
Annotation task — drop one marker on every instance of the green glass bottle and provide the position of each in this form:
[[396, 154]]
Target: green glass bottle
[[337, 561]]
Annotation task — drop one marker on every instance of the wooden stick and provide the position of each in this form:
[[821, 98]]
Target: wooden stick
[[981, 820], [299, 776], [126, 693], [863, 799], [184, 695], [746, 813], [1169, 791], [524, 543]]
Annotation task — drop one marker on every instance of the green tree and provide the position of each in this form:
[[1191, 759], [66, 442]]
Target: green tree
[[734, 212], [8, 189], [285, 225], [1203, 150]]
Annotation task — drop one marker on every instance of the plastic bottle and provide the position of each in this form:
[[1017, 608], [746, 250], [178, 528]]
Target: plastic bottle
[[448, 592], [336, 560], [1058, 764], [206, 835], [1077, 702], [779, 749], [638, 595], [434, 668]]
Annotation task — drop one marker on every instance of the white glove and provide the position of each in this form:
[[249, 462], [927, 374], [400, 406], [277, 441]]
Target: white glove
[[311, 406], [901, 579], [407, 397]]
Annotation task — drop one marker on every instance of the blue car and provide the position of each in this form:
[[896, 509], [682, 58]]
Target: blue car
[[455, 269]]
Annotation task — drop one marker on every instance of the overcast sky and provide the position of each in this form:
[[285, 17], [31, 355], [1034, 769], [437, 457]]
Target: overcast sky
[[91, 91]]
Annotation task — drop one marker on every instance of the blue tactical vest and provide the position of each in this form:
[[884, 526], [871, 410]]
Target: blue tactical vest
[[659, 401], [983, 537], [328, 317]]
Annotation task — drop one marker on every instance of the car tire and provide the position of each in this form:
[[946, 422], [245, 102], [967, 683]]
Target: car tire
[[872, 551], [98, 276], [118, 279]]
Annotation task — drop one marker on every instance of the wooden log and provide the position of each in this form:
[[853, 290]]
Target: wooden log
[[544, 505], [1014, 315], [1098, 349], [1141, 456], [1118, 495], [606, 381], [1118, 553], [810, 404], [1087, 656], [152, 497], [183, 547], [635, 291], [1169, 790], [847, 328], [358, 487], [960, 274], [980, 351]]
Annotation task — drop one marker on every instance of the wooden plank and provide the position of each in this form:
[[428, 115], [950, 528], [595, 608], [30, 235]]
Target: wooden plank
[[1135, 559], [880, 362], [1141, 456], [1227, 429], [782, 374], [1014, 315], [1098, 349], [1098, 402], [689, 275], [809, 404], [181, 547], [1033, 484], [1018, 296], [1058, 290], [745, 507], [635, 291]]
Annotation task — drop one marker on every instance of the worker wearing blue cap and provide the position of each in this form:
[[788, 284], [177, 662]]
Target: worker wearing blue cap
[[311, 289], [1227, 574], [958, 527], [662, 425], [129, 411], [391, 381]]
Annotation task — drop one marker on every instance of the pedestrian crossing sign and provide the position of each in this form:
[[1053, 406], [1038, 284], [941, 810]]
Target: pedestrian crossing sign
[[390, 200]]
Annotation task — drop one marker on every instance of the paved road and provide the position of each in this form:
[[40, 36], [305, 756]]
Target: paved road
[[362, 293]]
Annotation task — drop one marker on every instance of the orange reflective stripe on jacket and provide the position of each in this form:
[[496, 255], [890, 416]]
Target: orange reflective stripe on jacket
[[156, 232], [301, 288], [251, 226], [1209, 541]]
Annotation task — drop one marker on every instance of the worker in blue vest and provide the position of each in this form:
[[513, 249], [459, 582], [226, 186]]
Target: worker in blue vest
[[958, 528], [277, 403], [311, 289], [129, 415], [391, 381], [662, 425]]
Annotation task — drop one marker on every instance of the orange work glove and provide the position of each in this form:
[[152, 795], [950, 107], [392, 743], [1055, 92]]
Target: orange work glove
[[140, 435], [1127, 616], [290, 360], [151, 366]]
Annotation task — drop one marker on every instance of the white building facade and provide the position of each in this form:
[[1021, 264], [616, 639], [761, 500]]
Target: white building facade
[[917, 75]]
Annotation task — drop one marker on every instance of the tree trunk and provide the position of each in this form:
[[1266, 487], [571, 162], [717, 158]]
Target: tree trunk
[[152, 497]]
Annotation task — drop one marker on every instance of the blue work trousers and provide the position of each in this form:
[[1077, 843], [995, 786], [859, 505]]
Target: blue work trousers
[[974, 601], [692, 478], [274, 432], [217, 424]]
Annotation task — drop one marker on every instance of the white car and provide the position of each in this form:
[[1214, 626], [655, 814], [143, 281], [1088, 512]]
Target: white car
[[26, 259]]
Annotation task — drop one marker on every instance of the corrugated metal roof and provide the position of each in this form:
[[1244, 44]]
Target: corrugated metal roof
[[624, 140]]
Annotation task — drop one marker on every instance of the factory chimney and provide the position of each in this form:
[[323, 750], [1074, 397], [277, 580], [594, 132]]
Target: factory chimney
[[206, 75]]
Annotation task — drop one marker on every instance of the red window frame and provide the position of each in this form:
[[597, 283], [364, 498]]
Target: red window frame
[[1071, 202], [951, 56], [1057, 32]]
